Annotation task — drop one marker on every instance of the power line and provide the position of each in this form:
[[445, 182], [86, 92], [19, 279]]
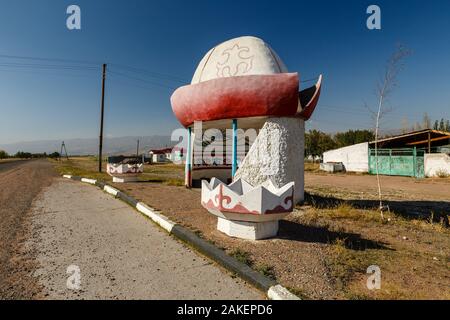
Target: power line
[[48, 59], [151, 73]]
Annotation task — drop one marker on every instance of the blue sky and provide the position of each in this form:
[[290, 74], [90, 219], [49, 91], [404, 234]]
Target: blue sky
[[168, 39]]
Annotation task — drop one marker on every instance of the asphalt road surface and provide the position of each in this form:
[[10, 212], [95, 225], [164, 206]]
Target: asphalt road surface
[[76, 242]]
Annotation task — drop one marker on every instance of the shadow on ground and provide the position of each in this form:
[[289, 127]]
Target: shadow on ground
[[290, 230], [410, 209]]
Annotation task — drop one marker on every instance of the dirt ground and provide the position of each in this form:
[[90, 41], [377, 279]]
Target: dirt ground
[[393, 187], [404, 195], [20, 183]]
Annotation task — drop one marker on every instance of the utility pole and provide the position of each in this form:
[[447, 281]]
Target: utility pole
[[100, 145], [63, 147], [137, 149]]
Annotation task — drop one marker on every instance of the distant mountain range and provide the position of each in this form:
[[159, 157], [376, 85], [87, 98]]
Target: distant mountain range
[[111, 146]]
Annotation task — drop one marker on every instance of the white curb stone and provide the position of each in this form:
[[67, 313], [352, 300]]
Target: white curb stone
[[111, 190], [161, 220], [91, 181], [67, 176], [279, 292]]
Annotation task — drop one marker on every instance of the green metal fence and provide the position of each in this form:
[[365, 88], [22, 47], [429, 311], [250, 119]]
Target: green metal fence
[[398, 162]]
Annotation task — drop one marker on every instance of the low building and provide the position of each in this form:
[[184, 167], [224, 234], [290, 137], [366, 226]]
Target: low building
[[160, 155], [164, 155], [417, 154]]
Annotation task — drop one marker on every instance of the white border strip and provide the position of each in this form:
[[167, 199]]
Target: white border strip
[[159, 219], [67, 176], [111, 190], [279, 292], [91, 181]]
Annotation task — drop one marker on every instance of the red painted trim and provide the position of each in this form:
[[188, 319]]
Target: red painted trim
[[237, 97], [239, 208], [308, 110]]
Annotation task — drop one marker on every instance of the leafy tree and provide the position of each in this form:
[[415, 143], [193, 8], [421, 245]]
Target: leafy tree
[[317, 142], [436, 125], [54, 155], [442, 125], [23, 155], [351, 137], [447, 125], [3, 154]]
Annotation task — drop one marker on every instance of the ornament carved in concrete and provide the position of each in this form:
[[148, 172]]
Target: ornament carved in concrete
[[243, 210], [124, 169]]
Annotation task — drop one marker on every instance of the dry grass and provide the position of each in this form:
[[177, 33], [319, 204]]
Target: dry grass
[[441, 173], [83, 167], [312, 167], [412, 254], [169, 174]]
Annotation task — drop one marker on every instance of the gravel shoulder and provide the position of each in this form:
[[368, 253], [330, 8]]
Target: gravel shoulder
[[20, 183]]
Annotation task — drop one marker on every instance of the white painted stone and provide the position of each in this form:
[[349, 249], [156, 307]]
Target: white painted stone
[[90, 181], [239, 57], [332, 167], [436, 163], [159, 219], [67, 176], [277, 155], [248, 230], [111, 190], [123, 179], [355, 158], [279, 292]]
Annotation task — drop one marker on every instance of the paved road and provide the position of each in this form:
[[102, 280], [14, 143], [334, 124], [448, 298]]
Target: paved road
[[120, 253]]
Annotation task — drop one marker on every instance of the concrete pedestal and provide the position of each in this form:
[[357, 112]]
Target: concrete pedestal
[[125, 179], [248, 230]]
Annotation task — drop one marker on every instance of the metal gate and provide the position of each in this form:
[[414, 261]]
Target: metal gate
[[398, 162]]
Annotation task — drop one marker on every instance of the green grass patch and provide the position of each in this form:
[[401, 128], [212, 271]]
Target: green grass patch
[[242, 256], [266, 270]]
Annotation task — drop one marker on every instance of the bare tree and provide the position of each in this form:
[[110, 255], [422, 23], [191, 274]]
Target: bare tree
[[426, 121], [405, 125], [384, 88]]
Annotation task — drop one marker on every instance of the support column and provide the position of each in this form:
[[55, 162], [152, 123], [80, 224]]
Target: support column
[[234, 152], [429, 142], [188, 167]]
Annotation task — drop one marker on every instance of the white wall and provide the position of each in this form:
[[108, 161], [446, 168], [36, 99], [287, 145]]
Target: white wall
[[436, 162], [355, 158], [159, 158]]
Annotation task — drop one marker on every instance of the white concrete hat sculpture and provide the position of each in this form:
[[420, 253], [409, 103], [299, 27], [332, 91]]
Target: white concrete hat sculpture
[[245, 211], [243, 83]]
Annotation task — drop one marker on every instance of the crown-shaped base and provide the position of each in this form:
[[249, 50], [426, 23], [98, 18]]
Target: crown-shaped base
[[243, 202]]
